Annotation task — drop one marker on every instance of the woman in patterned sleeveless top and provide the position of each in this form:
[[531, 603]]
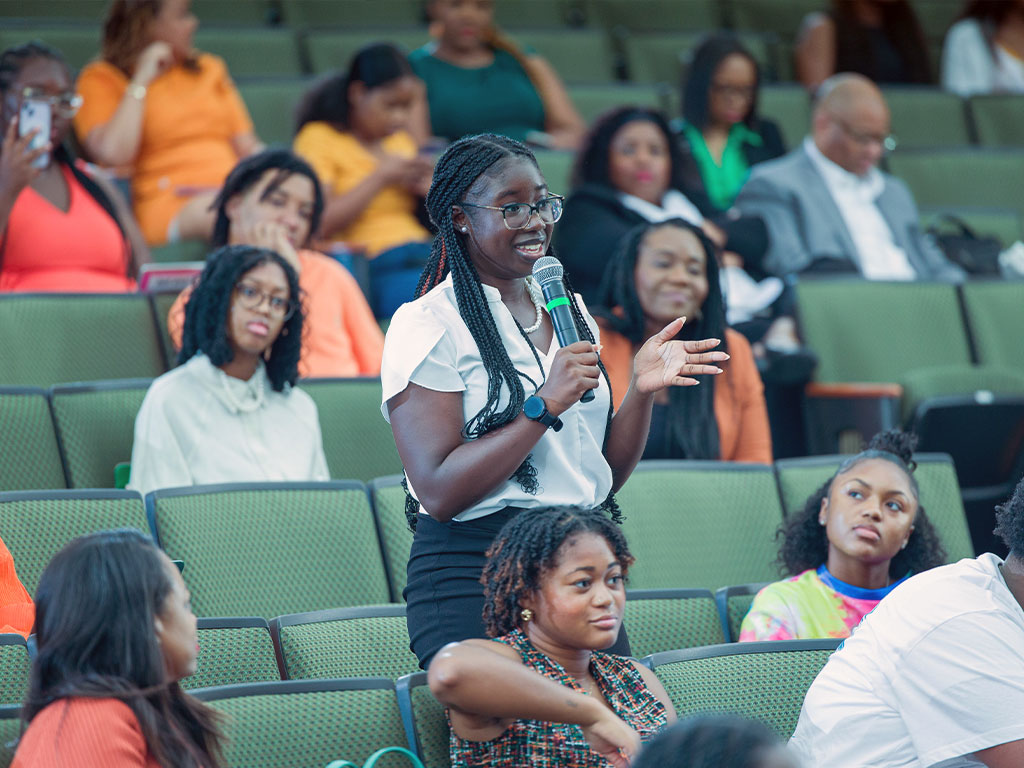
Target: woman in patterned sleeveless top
[[541, 692]]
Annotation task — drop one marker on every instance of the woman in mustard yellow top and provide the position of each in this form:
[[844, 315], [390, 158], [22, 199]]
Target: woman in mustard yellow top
[[352, 130]]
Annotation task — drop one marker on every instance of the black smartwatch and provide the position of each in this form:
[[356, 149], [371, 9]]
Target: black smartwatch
[[535, 409]]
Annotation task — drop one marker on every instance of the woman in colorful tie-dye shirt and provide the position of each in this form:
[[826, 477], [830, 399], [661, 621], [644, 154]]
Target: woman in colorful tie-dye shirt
[[857, 538]]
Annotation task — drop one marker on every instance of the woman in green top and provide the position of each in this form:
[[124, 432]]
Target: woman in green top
[[479, 81], [721, 134]]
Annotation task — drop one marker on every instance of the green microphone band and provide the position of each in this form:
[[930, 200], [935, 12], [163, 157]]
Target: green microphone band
[[561, 301]]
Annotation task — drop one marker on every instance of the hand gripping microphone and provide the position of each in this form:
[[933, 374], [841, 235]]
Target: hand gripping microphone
[[548, 271]]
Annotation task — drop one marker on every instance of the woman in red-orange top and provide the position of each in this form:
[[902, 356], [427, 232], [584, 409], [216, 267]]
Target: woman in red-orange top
[[16, 609], [115, 633]]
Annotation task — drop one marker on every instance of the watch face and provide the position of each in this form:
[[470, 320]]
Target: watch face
[[533, 407]]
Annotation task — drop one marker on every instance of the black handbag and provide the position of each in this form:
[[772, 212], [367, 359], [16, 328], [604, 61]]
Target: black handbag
[[975, 254]]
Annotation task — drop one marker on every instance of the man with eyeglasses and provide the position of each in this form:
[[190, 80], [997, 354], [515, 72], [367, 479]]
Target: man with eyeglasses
[[827, 205]]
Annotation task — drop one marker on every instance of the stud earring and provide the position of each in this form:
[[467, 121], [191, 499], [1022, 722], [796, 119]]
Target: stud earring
[[821, 521], [904, 544], [464, 229], [526, 614]]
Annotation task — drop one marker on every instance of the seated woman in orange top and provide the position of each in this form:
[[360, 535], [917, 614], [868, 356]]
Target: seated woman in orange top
[[115, 634], [17, 612], [661, 272], [170, 113], [61, 227]]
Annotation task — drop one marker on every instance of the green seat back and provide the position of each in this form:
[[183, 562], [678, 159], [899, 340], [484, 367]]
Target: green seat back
[[593, 100], [667, 619], [352, 13], [37, 524], [29, 454], [1004, 223], [83, 10], [233, 11], [162, 303], [368, 641], [424, 718], [843, 321], [790, 107], [995, 311], [556, 167], [183, 250], [936, 478], [55, 338], [734, 603], [997, 119], [661, 57], [926, 117], [272, 104], [513, 14], [577, 55], [10, 731], [357, 441], [764, 681], [252, 51], [700, 523], [265, 549], [308, 723], [14, 668], [232, 651], [333, 49], [96, 425], [79, 42], [943, 381], [779, 17], [388, 498], [656, 15]]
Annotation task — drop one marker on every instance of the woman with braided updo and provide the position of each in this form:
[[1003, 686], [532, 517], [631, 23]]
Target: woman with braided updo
[[483, 403], [553, 601]]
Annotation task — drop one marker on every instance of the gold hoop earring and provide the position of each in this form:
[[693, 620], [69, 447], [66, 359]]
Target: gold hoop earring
[[526, 614]]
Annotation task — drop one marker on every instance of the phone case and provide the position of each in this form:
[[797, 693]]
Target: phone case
[[36, 114]]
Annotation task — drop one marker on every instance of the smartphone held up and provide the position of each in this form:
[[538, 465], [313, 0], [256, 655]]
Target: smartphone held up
[[35, 114]]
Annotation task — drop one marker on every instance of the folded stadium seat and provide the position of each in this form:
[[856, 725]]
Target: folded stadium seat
[[14, 667], [272, 104], [234, 650], [352, 13], [656, 15], [388, 499], [927, 117], [577, 55], [79, 42], [513, 14], [997, 120], [733, 604], [556, 166], [764, 681], [10, 731], [234, 11], [331, 50], [96, 427], [366, 641], [51, 338], [593, 100], [307, 722], [424, 720], [267, 549], [668, 619], [790, 107], [700, 523], [656, 57], [1003, 223], [357, 440], [936, 477], [252, 51], [37, 524], [29, 452], [82, 10]]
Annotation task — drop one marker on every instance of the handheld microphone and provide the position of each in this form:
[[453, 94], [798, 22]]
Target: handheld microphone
[[548, 271]]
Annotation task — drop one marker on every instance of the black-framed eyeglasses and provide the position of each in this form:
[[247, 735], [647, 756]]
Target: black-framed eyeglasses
[[888, 142], [519, 215], [64, 104], [251, 297]]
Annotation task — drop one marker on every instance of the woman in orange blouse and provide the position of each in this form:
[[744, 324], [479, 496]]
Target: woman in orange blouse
[[17, 613], [661, 272], [170, 113], [115, 634]]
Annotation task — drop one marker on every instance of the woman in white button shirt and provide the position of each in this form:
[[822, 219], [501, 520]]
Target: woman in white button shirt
[[484, 405], [229, 412]]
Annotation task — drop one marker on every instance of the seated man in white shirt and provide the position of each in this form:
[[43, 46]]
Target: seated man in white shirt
[[826, 202], [934, 676]]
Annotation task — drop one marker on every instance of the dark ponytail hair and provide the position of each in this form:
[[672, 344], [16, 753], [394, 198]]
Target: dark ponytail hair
[[373, 65]]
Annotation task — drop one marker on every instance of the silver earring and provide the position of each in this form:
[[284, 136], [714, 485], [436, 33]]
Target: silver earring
[[821, 521], [464, 229]]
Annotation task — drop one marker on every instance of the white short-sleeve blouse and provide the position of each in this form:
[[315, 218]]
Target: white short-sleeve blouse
[[429, 344]]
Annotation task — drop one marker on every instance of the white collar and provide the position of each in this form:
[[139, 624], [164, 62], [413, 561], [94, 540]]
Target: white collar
[[238, 396], [674, 205], [870, 185]]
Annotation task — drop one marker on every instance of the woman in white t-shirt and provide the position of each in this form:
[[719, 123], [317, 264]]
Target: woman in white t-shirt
[[984, 50], [229, 412], [484, 405]]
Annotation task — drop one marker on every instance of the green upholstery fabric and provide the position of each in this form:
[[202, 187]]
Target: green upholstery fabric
[[346, 643], [700, 523], [1003, 223], [779, 17], [270, 550], [790, 107], [593, 100], [79, 42], [233, 654], [311, 728], [924, 383], [14, 666], [428, 720], [10, 729], [388, 497], [252, 52], [763, 681], [96, 425], [233, 11], [357, 440], [667, 621], [88, 337], [514, 14], [331, 50], [734, 603], [85, 10], [556, 168], [659, 57], [844, 320], [162, 303], [997, 119], [935, 475], [656, 15], [577, 55], [926, 117], [29, 456], [995, 313], [182, 250], [352, 13], [272, 104], [37, 524]]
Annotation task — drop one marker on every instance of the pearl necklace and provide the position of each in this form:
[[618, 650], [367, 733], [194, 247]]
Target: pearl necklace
[[538, 303]]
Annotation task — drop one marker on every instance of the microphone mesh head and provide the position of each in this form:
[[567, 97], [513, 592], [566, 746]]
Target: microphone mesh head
[[547, 269]]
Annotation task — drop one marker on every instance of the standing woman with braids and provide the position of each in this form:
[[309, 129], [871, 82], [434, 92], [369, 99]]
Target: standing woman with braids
[[483, 403]]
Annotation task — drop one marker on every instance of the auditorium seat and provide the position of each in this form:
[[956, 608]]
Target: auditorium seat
[[82, 10], [96, 427], [667, 619], [307, 722], [700, 523], [997, 119], [593, 100], [764, 681], [995, 314], [553, 14], [272, 103], [233, 650], [1004, 222], [252, 51], [790, 107], [79, 41], [926, 117], [352, 13], [556, 167], [10, 730], [734, 603], [14, 668], [29, 452], [35, 525], [655, 57], [364, 641], [388, 499], [331, 50], [577, 55], [268, 549], [162, 303], [251, 12], [424, 720], [656, 15]]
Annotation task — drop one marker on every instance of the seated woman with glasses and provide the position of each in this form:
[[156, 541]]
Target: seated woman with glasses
[[230, 411], [62, 228]]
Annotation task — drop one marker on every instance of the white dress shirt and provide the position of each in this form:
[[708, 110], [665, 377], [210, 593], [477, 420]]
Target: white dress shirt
[[971, 65]]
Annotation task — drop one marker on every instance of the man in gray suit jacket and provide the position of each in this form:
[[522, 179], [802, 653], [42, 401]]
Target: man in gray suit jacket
[[826, 204]]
